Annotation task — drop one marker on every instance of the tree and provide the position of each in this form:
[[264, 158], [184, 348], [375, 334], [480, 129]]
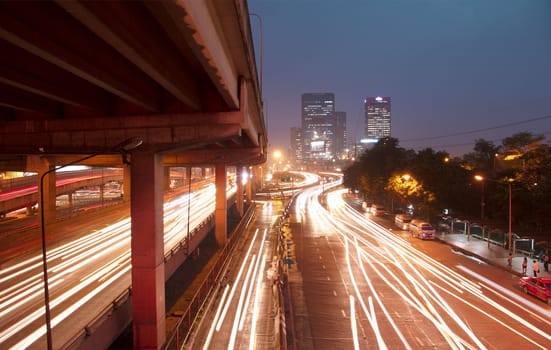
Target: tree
[[370, 174], [482, 160]]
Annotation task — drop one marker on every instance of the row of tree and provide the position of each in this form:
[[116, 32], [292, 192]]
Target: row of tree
[[432, 181]]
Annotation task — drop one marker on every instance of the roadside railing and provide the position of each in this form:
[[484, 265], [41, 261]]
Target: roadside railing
[[189, 317]]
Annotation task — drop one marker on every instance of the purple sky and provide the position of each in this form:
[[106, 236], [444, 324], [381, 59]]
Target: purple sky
[[450, 66]]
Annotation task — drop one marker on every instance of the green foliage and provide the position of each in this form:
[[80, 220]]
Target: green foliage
[[437, 182]]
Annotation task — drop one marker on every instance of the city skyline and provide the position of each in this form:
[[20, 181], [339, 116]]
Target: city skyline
[[456, 72]]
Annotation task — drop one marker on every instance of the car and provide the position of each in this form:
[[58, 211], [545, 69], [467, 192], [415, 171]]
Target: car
[[537, 286], [402, 221], [421, 229], [377, 209]]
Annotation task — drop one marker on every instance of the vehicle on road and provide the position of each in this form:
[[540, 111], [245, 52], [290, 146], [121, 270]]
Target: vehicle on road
[[402, 221], [537, 286], [377, 209], [421, 229]]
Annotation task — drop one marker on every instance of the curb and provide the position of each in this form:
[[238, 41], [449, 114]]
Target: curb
[[486, 260]]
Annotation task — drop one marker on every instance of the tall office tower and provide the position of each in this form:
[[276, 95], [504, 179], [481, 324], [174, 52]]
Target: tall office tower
[[318, 120], [295, 152], [377, 118], [340, 134]]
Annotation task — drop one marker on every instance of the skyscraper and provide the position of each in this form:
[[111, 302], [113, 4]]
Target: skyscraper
[[377, 118], [340, 134], [295, 153], [318, 127]]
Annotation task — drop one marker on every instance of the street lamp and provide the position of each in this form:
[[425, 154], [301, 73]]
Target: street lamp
[[260, 32], [509, 180], [123, 148], [481, 180], [277, 157]]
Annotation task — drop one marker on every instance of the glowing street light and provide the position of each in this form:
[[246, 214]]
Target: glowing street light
[[277, 156], [509, 180]]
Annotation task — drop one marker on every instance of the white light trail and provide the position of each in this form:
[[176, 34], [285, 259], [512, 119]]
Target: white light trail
[[216, 317], [66, 261], [238, 312], [234, 287], [251, 289], [353, 324], [256, 306]]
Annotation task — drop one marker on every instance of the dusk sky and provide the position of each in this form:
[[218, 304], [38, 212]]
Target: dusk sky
[[450, 66]]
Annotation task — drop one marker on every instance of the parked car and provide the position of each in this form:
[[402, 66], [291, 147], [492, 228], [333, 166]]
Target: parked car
[[402, 221], [377, 209], [421, 229], [537, 286]]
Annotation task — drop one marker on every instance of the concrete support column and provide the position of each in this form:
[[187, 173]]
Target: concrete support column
[[70, 198], [166, 174], [249, 186], [148, 275], [239, 197], [126, 180], [220, 214], [40, 166], [203, 172], [259, 171]]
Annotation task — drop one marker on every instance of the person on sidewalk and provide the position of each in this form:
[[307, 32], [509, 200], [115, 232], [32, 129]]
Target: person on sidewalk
[[510, 260], [536, 268], [546, 262], [524, 265]]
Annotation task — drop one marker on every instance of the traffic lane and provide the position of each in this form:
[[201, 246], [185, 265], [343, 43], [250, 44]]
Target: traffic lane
[[470, 304], [501, 280], [449, 301], [242, 308], [320, 260], [509, 304]]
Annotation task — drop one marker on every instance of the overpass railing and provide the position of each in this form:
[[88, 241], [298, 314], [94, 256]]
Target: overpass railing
[[197, 304]]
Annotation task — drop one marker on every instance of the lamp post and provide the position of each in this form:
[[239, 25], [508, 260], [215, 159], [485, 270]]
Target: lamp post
[[260, 40], [510, 233], [481, 180], [123, 148]]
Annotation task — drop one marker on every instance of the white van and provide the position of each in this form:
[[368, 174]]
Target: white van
[[421, 229], [402, 221], [377, 209]]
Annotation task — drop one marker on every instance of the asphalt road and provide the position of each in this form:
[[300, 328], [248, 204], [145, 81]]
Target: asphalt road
[[359, 285], [243, 312]]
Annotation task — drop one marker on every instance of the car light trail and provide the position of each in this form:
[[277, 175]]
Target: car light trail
[[353, 324], [257, 297], [82, 269], [432, 289], [238, 312], [497, 320], [237, 278], [251, 289], [378, 299], [370, 314], [216, 317]]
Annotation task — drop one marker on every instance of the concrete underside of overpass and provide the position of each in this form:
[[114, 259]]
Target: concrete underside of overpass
[[84, 80]]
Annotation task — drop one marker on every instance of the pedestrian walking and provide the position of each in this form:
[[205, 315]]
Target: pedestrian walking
[[536, 268], [524, 265], [510, 260], [546, 262]]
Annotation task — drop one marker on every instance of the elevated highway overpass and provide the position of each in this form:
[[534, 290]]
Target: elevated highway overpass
[[81, 79], [23, 193]]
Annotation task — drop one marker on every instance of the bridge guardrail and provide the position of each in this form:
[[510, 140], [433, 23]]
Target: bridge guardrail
[[188, 318]]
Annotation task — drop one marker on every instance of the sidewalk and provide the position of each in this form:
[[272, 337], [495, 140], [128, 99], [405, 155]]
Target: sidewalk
[[493, 255]]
